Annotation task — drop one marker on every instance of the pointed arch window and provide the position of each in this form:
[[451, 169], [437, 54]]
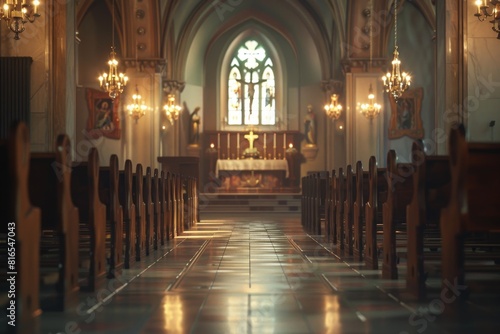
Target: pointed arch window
[[251, 87]]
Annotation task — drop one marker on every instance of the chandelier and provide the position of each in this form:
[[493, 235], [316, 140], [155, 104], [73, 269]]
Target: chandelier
[[113, 82], [334, 109], [171, 109], [482, 14], [138, 107], [371, 109], [16, 13], [396, 83]]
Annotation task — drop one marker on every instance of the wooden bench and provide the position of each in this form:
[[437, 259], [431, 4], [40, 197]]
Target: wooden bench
[[149, 205], [16, 207], [169, 193], [340, 186], [140, 212], [350, 195], [431, 187], [399, 193], [373, 211], [109, 195], [50, 177], [155, 197], [162, 193], [129, 214], [331, 227], [472, 208], [362, 193], [92, 248]]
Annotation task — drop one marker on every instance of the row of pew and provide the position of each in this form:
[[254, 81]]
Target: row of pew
[[75, 224], [437, 212]]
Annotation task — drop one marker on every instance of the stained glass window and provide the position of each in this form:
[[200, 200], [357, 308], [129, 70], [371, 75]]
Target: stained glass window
[[251, 87]]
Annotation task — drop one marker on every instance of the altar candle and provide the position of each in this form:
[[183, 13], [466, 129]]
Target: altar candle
[[274, 142], [218, 141], [238, 140], [284, 140], [265, 139], [228, 141]]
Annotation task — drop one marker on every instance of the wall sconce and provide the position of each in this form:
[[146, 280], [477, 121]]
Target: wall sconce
[[371, 109], [482, 14], [138, 107], [171, 109], [16, 13], [334, 109]]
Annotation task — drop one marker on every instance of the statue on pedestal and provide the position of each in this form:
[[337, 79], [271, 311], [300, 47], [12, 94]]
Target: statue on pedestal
[[194, 126]]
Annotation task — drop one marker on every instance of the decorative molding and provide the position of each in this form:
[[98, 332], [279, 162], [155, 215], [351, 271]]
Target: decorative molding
[[158, 64], [332, 86], [173, 86], [363, 64]]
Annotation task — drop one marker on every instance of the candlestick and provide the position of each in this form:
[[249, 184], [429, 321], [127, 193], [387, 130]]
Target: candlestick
[[274, 141], [238, 140], [284, 140], [265, 140]]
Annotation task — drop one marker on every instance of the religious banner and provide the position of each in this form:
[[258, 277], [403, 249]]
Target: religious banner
[[103, 117], [405, 115]]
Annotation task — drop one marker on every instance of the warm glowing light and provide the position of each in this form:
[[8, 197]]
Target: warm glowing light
[[18, 12], [138, 107], [212, 145], [334, 109], [397, 82], [171, 109], [371, 109]]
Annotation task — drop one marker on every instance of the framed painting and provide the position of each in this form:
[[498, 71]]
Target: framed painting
[[103, 115], [405, 115]]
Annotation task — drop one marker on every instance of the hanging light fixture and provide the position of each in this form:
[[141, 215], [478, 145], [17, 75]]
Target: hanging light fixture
[[371, 109], [334, 109], [396, 83], [18, 12], [138, 107], [171, 109], [483, 14], [113, 82]]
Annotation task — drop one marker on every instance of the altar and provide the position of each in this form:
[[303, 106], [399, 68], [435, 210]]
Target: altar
[[252, 173]]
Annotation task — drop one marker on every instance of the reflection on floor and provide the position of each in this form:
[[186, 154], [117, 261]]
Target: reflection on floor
[[254, 274]]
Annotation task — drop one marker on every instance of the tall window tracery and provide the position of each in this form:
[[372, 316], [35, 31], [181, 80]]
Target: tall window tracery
[[251, 87]]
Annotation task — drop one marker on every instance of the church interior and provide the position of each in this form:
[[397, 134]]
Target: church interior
[[249, 166]]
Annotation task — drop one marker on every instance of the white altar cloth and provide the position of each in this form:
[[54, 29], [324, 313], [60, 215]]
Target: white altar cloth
[[252, 164]]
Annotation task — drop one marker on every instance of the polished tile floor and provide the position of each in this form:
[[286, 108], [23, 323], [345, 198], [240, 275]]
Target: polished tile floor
[[255, 274]]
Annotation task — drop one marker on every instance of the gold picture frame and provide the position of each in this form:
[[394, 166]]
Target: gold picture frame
[[406, 117], [103, 115]]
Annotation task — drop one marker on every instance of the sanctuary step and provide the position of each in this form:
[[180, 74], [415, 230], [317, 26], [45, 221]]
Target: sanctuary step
[[246, 203]]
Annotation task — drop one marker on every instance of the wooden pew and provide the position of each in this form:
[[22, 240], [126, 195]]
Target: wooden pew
[[340, 186], [170, 206], [472, 208], [129, 214], [350, 195], [373, 211], [140, 212], [85, 194], [162, 193], [109, 195], [331, 225], [148, 202], [155, 196], [399, 193], [431, 187], [362, 193], [50, 177], [16, 207]]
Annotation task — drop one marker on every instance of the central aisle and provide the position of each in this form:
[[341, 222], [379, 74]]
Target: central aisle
[[243, 275]]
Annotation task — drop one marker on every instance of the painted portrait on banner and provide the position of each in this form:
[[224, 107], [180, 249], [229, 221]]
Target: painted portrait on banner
[[103, 117]]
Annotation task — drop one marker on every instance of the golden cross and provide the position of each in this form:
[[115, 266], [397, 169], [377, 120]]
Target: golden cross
[[251, 138]]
